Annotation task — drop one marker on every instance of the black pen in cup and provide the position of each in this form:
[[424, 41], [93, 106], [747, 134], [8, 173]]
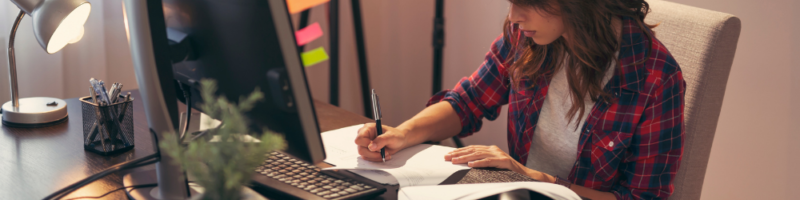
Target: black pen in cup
[[376, 110]]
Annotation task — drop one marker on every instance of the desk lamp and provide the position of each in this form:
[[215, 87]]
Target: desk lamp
[[56, 23]]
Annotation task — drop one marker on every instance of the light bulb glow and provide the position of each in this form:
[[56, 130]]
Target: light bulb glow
[[78, 36], [70, 28]]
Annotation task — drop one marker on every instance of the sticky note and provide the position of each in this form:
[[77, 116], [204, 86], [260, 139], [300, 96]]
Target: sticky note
[[308, 34], [314, 56], [296, 6]]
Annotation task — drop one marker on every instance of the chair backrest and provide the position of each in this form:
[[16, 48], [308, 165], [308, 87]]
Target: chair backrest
[[704, 43]]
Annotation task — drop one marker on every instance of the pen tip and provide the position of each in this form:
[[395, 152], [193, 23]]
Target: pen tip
[[384, 159]]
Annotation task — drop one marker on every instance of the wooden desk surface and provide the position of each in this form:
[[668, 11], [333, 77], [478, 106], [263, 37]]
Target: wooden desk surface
[[37, 162]]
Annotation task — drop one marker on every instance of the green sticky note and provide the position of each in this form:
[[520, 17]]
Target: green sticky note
[[314, 56]]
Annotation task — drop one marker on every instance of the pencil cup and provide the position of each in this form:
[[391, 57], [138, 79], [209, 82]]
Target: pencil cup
[[107, 129]]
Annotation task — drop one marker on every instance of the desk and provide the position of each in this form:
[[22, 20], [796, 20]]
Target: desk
[[40, 161]]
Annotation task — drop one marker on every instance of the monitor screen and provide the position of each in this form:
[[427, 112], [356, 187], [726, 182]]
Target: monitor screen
[[244, 45]]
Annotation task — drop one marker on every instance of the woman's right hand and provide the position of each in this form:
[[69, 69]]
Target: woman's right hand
[[370, 144]]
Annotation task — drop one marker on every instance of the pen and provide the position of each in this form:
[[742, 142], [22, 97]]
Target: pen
[[99, 118], [376, 110]]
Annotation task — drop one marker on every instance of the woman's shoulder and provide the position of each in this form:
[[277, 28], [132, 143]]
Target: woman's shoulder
[[644, 60]]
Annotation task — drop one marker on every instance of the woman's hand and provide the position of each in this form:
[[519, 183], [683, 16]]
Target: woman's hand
[[370, 144], [484, 156], [493, 156]]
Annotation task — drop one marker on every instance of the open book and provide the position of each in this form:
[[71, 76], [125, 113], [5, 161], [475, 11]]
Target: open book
[[482, 190], [422, 164]]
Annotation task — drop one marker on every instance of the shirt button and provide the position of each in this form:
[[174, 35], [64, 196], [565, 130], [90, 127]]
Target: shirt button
[[610, 144]]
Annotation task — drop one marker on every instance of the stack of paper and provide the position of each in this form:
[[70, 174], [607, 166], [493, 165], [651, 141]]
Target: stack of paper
[[482, 190], [422, 164]]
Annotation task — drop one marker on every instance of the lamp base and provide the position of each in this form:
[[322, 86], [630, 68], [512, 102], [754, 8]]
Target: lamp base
[[35, 112]]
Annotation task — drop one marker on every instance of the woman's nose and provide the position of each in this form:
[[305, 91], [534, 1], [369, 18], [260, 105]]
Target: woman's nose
[[514, 14]]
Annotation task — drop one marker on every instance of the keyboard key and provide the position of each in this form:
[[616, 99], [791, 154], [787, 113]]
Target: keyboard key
[[333, 195], [343, 193], [323, 193], [350, 190], [327, 187]]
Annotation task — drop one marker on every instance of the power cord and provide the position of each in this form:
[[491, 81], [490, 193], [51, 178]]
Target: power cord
[[187, 95], [133, 187], [147, 160], [143, 161]]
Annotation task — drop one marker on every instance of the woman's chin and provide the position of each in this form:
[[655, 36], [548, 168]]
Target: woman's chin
[[540, 41]]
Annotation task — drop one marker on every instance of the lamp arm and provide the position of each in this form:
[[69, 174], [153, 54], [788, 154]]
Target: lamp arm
[[12, 62]]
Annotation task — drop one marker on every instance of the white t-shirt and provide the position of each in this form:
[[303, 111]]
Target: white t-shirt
[[554, 146]]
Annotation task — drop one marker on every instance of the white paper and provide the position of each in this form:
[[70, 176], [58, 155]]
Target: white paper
[[482, 190], [422, 164]]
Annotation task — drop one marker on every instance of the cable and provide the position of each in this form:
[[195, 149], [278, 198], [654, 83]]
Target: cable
[[147, 160], [118, 189], [187, 95]]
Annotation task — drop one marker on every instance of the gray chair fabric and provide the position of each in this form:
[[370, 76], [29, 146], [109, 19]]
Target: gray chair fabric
[[704, 43]]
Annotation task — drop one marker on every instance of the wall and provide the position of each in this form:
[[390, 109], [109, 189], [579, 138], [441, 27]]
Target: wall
[[102, 53], [754, 146]]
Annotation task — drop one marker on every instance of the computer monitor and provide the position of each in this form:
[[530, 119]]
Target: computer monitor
[[243, 45]]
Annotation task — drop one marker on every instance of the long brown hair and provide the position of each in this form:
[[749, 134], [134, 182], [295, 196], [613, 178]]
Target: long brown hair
[[589, 52]]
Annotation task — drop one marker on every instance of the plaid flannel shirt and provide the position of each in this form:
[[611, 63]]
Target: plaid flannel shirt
[[631, 148]]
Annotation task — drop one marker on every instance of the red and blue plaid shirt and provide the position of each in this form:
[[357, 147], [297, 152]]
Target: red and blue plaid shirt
[[631, 148]]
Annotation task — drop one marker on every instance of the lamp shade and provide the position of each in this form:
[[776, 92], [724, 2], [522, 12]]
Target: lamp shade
[[56, 23]]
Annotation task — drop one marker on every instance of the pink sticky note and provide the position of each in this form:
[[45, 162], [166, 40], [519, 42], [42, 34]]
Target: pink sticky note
[[308, 34]]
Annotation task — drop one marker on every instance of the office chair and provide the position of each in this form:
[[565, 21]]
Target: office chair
[[704, 43]]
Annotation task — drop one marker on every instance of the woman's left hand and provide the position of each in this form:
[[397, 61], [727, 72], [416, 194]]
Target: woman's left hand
[[483, 156]]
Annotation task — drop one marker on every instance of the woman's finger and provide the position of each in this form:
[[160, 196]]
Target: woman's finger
[[486, 162], [478, 155], [366, 154], [463, 151], [363, 141], [371, 155], [366, 134], [458, 152]]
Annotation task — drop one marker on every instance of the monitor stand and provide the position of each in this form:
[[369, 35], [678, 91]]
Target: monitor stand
[[145, 176]]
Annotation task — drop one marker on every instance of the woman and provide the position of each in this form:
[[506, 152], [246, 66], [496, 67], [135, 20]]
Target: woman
[[595, 102]]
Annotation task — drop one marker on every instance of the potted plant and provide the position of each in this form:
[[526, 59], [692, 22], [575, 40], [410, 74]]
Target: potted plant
[[224, 165]]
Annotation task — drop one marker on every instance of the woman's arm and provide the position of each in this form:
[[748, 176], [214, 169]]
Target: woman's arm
[[434, 123], [449, 113]]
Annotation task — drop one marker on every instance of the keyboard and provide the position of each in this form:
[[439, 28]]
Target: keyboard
[[282, 176]]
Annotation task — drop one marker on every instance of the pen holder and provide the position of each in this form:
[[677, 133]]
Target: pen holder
[[107, 129]]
